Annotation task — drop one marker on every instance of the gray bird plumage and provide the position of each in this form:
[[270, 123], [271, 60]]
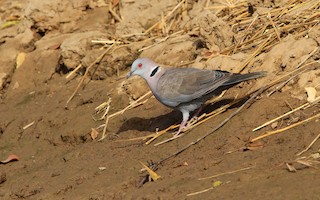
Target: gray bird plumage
[[182, 85], [186, 89]]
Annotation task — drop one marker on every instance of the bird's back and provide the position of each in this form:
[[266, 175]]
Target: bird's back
[[182, 85]]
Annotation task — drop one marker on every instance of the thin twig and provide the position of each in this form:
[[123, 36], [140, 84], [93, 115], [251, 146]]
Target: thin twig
[[104, 107], [114, 14], [259, 49], [288, 74], [245, 34], [132, 105], [158, 134], [286, 128], [231, 172], [274, 26], [170, 139], [306, 149], [104, 132], [306, 58], [85, 74], [105, 41], [285, 82], [282, 116], [165, 17], [297, 67], [286, 114], [28, 125], [136, 138], [74, 71], [161, 40], [200, 192]]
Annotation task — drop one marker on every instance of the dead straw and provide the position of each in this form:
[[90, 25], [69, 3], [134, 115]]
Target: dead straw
[[113, 13], [245, 34], [286, 128], [165, 17], [227, 5], [255, 53], [86, 73], [274, 17], [130, 106], [200, 192], [225, 173], [297, 67], [309, 146], [307, 57], [73, 71], [274, 26], [290, 73], [161, 40], [282, 116]]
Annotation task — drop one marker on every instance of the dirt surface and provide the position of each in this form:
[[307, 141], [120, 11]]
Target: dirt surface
[[58, 159]]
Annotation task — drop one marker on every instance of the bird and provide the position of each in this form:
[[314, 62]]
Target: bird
[[186, 89]]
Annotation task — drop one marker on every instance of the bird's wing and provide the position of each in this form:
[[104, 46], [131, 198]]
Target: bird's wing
[[181, 85]]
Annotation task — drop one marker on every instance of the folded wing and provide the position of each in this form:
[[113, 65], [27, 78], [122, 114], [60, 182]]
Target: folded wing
[[180, 85]]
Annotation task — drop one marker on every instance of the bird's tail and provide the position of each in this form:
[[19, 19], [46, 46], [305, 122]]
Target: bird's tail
[[237, 78]]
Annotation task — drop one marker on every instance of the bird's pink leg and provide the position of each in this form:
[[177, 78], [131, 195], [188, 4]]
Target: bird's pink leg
[[181, 128], [185, 117], [196, 114]]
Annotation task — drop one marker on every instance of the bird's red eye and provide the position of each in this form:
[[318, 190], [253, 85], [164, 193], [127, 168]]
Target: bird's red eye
[[139, 65]]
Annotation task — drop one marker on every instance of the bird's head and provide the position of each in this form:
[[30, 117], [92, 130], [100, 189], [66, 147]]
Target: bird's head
[[144, 67]]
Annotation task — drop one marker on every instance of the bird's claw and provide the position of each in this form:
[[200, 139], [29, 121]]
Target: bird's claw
[[182, 128], [193, 120]]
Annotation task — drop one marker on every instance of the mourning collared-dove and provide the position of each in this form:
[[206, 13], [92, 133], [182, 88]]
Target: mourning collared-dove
[[186, 89]]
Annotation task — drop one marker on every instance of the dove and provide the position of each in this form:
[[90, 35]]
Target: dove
[[186, 89]]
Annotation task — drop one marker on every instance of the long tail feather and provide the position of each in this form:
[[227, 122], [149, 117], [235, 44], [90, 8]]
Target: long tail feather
[[237, 78]]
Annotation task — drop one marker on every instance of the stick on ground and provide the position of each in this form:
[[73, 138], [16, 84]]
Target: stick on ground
[[85, 74], [306, 149], [285, 128], [280, 117], [134, 104], [231, 172]]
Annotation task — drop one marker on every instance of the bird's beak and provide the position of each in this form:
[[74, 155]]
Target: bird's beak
[[129, 74]]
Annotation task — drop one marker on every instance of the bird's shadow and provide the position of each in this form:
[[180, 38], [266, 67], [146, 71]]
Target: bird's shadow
[[174, 117], [150, 124]]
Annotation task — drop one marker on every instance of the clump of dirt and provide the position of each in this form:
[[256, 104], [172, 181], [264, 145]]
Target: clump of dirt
[[51, 50]]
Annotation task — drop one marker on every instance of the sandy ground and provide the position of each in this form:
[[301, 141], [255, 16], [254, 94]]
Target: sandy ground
[[58, 159]]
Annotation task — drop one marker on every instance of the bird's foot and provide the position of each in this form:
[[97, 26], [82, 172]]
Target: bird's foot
[[195, 116], [193, 120], [182, 128]]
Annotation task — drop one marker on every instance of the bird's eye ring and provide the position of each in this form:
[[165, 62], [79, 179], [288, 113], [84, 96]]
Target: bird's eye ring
[[139, 65]]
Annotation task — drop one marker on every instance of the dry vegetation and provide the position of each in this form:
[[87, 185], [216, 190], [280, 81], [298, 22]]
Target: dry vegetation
[[280, 37]]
